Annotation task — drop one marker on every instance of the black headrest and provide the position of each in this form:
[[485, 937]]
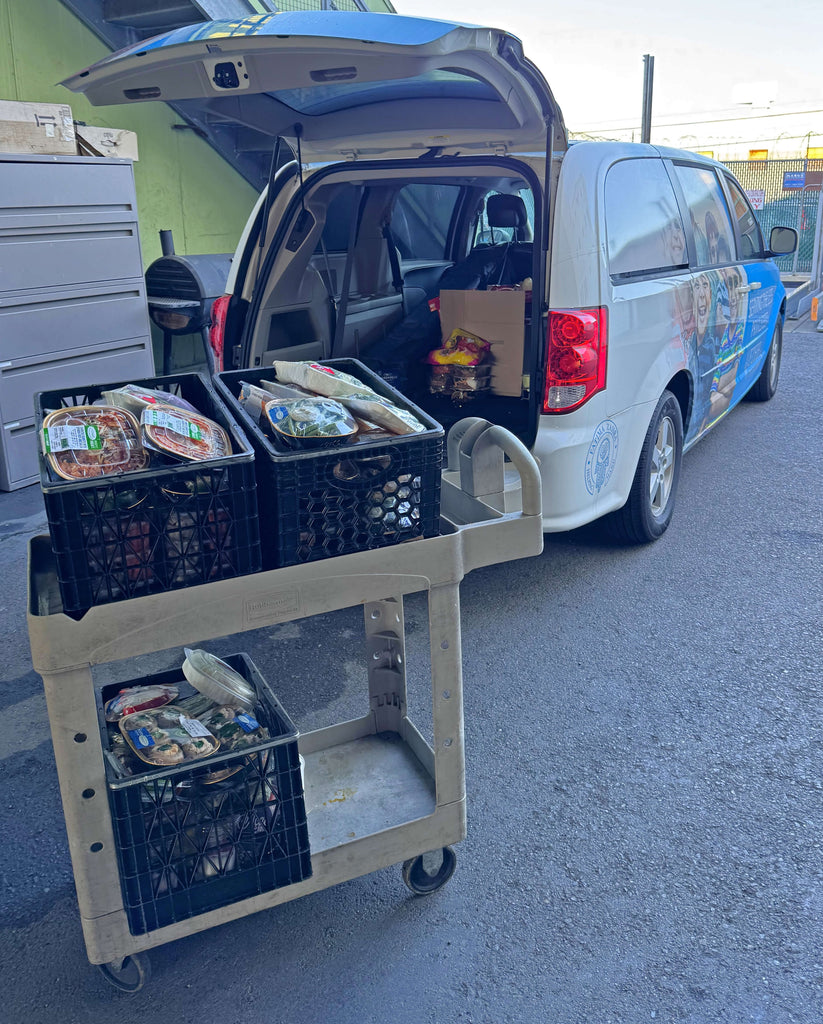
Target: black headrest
[[504, 211]]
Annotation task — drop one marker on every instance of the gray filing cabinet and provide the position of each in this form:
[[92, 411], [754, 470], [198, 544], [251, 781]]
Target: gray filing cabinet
[[72, 293]]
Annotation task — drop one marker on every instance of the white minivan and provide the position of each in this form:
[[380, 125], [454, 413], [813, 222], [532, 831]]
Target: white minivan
[[626, 290]]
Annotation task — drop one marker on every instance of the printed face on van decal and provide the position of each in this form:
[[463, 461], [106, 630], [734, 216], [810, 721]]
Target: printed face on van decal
[[712, 237], [702, 290], [675, 241], [738, 300], [683, 313]]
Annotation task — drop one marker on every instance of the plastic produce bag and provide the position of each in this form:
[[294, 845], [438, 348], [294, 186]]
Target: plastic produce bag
[[322, 380], [462, 348]]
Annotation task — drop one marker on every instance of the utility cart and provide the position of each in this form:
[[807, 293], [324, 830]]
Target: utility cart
[[405, 798]]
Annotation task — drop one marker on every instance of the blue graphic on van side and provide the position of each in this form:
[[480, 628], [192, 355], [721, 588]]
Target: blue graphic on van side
[[601, 457], [725, 319]]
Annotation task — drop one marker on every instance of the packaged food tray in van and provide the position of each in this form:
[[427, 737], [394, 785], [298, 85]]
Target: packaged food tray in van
[[171, 524], [197, 836], [370, 494]]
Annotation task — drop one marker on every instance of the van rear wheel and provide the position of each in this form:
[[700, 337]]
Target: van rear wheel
[[648, 511]]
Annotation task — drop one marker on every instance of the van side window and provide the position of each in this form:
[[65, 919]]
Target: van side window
[[713, 235], [643, 223], [751, 239], [421, 219]]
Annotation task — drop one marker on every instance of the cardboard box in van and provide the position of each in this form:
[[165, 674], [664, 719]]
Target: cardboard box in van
[[498, 317], [37, 128]]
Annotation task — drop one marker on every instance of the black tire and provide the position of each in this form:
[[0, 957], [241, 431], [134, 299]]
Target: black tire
[[648, 511], [129, 976], [419, 877], [764, 388]]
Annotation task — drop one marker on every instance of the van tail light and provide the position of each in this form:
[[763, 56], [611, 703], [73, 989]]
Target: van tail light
[[576, 346], [217, 328]]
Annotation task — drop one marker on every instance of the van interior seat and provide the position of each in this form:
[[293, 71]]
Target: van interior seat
[[507, 211], [402, 348]]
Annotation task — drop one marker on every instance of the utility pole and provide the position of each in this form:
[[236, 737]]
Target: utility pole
[[648, 86]]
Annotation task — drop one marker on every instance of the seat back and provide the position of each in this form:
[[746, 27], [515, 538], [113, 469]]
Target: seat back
[[505, 211]]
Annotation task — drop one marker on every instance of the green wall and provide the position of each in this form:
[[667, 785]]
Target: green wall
[[182, 183]]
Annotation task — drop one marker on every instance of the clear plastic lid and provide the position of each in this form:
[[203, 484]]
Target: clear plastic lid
[[135, 399], [182, 434], [217, 680]]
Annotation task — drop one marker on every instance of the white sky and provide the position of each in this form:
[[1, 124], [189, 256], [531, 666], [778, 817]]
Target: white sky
[[591, 52]]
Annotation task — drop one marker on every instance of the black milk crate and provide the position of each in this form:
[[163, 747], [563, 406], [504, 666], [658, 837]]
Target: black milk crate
[[369, 494], [186, 846], [155, 529]]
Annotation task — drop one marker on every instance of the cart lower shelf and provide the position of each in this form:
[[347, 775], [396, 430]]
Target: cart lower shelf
[[362, 787], [371, 803]]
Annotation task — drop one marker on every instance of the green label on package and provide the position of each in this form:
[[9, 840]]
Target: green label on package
[[76, 438], [159, 418]]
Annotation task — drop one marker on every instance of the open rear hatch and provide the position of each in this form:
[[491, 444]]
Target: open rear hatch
[[380, 90], [359, 84]]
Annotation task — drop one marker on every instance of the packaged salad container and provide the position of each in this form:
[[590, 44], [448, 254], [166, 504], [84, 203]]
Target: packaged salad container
[[171, 522]]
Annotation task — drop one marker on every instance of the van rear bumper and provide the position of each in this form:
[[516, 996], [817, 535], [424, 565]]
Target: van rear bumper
[[587, 467]]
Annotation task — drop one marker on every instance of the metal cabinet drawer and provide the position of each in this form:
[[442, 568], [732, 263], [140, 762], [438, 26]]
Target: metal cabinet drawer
[[36, 258], [48, 192], [20, 380], [19, 465], [33, 325]]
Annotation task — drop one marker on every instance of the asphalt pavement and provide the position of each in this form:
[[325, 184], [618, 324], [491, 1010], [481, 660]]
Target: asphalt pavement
[[644, 744]]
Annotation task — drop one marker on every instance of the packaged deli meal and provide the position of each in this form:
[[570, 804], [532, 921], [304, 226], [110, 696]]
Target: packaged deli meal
[[91, 441], [234, 726], [309, 418], [135, 399], [182, 434], [139, 698], [166, 735]]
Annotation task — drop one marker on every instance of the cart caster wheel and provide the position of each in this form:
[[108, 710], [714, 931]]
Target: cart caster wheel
[[130, 974], [430, 871]]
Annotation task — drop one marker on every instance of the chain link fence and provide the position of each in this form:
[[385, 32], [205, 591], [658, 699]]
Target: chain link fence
[[784, 193]]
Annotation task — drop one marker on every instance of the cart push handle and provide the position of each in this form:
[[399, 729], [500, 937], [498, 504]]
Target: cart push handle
[[476, 449]]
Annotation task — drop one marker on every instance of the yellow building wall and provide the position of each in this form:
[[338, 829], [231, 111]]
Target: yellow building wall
[[182, 183]]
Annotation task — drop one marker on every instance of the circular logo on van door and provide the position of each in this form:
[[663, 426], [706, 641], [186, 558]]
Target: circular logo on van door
[[601, 457]]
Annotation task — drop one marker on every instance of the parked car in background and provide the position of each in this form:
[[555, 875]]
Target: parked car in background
[[626, 291]]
